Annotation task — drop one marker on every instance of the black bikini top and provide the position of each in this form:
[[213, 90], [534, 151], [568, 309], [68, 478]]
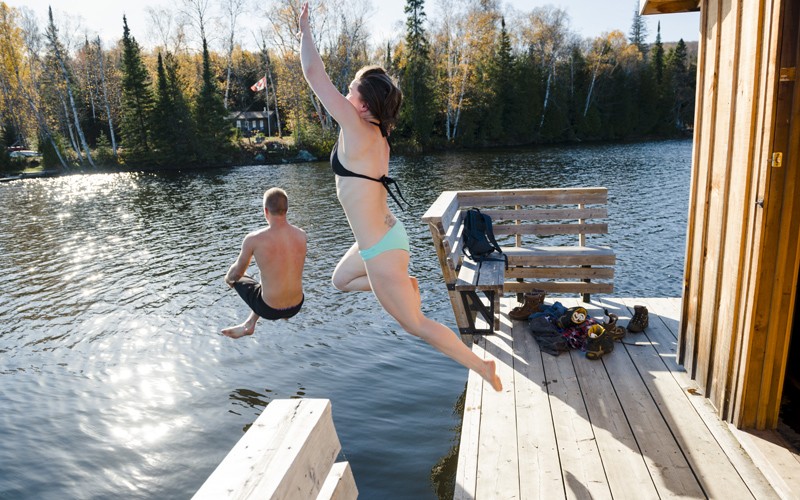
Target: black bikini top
[[387, 181]]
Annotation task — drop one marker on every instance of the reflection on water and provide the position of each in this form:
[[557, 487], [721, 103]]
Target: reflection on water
[[116, 382]]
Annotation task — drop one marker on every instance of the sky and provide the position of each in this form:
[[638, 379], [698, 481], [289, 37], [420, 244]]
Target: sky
[[588, 18]]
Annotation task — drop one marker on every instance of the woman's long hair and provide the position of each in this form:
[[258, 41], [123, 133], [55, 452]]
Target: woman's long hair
[[381, 94]]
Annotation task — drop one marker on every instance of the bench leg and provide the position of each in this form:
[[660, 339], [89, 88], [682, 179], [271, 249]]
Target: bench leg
[[473, 305], [586, 297], [495, 299]]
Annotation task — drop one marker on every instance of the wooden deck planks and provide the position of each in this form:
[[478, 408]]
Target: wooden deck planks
[[470, 431], [625, 427], [626, 471], [498, 466], [539, 466], [718, 461], [662, 454], [581, 464], [633, 369]]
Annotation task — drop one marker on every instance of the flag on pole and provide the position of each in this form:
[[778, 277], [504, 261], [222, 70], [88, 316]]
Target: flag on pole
[[259, 85]]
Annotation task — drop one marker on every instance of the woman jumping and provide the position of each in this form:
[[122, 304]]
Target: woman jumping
[[378, 260]]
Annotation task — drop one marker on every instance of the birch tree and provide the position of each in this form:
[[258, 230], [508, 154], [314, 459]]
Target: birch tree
[[167, 28], [52, 37], [608, 51], [102, 65], [233, 9], [283, 18], [345, 48], [547, 33], [199, 16], [450, 53]]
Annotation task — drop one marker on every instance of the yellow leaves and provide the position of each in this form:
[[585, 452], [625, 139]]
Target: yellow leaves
[[464, 45], [546, 32], [11, 40], [610, 50]]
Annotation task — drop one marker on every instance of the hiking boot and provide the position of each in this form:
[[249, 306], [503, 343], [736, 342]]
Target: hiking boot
[[639, 322], [573, 317], [598, 343], [533, 301], [617, 332]]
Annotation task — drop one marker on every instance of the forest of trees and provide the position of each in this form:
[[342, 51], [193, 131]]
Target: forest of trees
[[473, 77]]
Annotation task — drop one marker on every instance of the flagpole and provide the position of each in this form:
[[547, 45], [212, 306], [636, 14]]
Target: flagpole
[[266, 100], [275, 94]]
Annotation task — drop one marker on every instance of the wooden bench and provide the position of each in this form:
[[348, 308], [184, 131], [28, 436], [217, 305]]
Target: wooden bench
[[542, 231]]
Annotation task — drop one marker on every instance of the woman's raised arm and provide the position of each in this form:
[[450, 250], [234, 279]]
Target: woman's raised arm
[[314, 71]]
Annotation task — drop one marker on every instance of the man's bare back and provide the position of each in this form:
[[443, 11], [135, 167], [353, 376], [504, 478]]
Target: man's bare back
[[280, 252]]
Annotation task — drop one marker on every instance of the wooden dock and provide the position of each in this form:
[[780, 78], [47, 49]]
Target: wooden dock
[[631, 425]]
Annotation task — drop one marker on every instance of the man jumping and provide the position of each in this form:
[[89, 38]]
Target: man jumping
[[280, 253]]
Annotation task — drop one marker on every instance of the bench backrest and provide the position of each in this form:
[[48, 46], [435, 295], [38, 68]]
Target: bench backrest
[[517, 213]]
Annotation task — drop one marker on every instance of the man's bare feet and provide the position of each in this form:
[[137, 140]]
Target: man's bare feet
[[415, 284], [490, 375], [239, 331]]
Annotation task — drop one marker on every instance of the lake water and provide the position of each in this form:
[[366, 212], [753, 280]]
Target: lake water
[[115, 382]]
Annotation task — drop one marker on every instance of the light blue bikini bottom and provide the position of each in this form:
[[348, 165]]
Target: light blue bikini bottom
[[395, 239]]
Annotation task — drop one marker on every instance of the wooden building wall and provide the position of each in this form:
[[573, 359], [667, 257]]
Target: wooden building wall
[[738, 282]]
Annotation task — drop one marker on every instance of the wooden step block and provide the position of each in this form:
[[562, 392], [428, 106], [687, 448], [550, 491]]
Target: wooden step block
[[340, 484], [287, 453]]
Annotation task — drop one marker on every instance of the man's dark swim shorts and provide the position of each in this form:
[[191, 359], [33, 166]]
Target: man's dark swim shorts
[[250, 291]]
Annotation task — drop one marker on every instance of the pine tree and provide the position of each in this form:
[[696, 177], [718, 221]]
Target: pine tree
[[657, 56], [416, 115], [172, 126], [7, 138], [183, 125], [214, 132], [502, 82], [638, 33], [682, 85], [137, 100]]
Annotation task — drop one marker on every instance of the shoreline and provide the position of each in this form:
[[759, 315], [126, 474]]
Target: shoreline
[[303, 156]]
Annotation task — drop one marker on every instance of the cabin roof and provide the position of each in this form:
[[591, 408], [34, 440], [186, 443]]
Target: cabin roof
[[249, 115]]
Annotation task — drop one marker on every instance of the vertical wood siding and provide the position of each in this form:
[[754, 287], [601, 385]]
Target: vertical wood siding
[[724, 299]]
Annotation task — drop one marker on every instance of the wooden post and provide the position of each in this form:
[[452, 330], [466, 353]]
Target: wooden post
[[582, 242], [518, 242]]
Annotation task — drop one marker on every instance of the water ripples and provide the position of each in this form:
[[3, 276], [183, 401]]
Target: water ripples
[[116, 382]]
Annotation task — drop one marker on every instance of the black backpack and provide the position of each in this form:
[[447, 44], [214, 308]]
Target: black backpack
[[479, 242]]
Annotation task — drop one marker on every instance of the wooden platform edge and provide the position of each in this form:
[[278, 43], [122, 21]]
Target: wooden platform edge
[[774, 458], [340, 483], [288, 452]]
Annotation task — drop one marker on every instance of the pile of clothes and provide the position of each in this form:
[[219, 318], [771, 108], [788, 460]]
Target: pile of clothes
[[558, 329]]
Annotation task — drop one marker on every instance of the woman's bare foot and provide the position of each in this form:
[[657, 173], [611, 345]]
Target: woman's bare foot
[[490, 375], [239, 331]]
